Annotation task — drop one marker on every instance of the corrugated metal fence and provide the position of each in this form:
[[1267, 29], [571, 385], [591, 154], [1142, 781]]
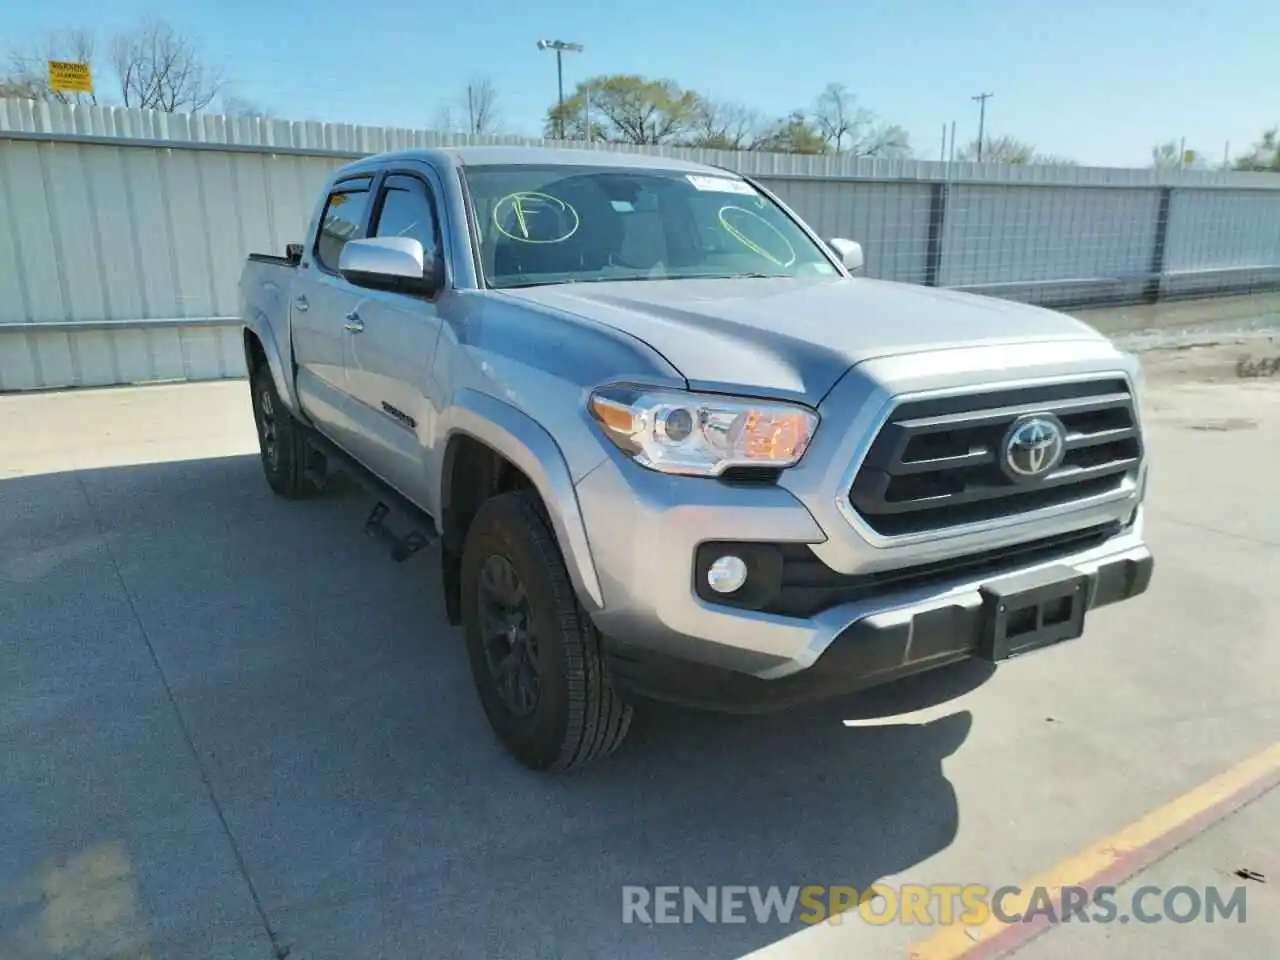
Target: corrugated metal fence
[[122, 231]]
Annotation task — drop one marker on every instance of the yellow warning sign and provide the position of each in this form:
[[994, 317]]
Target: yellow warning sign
[[65, 76]]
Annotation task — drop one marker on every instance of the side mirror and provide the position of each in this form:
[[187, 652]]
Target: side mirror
[[849, 252], [390, 263]]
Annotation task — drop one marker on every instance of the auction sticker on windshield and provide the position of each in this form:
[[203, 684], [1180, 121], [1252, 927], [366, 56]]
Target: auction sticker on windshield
[[721, 185]]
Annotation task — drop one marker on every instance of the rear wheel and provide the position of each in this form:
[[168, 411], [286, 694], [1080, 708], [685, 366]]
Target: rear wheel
[[281, 439], [535, 654]]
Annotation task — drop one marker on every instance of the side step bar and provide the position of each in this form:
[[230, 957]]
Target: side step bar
[[402, 547], [323, 457]]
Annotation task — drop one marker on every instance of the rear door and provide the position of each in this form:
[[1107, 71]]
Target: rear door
[[320, 305], [389, 351]]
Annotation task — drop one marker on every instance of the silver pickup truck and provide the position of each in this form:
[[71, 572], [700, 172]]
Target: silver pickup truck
[[670, 446]]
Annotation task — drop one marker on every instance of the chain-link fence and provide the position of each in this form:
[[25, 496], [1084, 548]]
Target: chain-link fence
[[1053, 244], [122, 232]]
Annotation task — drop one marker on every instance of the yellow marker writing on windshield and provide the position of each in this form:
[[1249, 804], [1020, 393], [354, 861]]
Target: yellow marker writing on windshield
[[523, 206], [750, 244]]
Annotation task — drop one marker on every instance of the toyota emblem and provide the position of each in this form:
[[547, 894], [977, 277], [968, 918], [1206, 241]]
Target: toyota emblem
[[1034, 446]]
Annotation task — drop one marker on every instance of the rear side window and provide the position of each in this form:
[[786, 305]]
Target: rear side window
[[408, 211], [342, 221]]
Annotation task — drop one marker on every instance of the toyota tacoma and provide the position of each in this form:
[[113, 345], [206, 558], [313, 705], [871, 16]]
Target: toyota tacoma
[[668, 443]]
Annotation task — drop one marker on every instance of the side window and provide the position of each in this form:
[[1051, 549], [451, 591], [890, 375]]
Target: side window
[[408, 211], [343, 217]]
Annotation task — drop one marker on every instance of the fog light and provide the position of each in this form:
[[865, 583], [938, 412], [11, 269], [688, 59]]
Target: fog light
[[727, 574]]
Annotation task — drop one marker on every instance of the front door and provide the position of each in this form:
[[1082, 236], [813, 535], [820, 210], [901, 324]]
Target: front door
[[390, 348]]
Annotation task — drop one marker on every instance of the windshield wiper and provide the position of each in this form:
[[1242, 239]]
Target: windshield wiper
[[729, 276], [644, 276]]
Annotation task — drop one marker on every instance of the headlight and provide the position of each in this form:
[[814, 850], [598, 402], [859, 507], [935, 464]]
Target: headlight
[[702, 434], [1133, 366]]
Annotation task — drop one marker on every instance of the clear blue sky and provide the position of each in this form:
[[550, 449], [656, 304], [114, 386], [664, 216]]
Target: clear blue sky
[[1097, 81]]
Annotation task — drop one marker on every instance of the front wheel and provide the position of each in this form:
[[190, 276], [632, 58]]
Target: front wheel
[[535, 654]]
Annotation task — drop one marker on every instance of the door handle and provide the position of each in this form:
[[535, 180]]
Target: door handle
[[300, 303], [354, 324]]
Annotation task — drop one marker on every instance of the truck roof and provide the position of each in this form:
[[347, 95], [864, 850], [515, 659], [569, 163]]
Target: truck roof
[[491, 156]]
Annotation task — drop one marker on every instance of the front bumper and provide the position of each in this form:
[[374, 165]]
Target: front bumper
[[664, 641], [871, 650]]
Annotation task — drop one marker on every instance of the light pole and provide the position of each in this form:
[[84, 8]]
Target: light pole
[[559, 46], [982, 99]]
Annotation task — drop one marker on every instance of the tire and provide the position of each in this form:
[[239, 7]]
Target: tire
[[281, 439], [573, 715]]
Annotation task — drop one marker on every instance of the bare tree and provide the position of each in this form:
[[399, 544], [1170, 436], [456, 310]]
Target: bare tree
[[886, 140], [474, 110], [237, 106], [446, 119], [724, 126], [15, 89], [836, 115], [29, 68], [849, 128], [160, 69], [481, 101]]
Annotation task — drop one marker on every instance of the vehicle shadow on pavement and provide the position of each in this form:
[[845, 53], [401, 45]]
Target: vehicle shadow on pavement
[[810, 797], [328, 707]]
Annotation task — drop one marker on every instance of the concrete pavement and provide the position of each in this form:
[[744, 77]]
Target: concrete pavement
[[232, 727]]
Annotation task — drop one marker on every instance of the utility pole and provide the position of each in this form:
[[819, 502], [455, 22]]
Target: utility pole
[[471, 112], [982, 99], [559, 46]]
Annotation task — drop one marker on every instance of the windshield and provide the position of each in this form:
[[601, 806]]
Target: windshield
[[572, 224]]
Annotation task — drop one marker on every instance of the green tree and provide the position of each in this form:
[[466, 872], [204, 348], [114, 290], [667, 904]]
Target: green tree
[[999, 150], [1264, 156], [794, 133], [1166, 156], [1011, 150], [1055, 160], [626, 108], [1169, 156]]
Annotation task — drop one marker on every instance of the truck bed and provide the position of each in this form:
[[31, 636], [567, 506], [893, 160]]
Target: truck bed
[[265, 282], [271, 258], [292, 256]]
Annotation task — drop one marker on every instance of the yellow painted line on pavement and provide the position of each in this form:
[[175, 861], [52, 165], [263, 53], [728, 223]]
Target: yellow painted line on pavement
[[958, 940]]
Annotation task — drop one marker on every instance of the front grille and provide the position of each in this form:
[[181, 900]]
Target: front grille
[[936, 463]]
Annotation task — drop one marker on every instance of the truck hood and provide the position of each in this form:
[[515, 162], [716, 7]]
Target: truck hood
[[794, 338]]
